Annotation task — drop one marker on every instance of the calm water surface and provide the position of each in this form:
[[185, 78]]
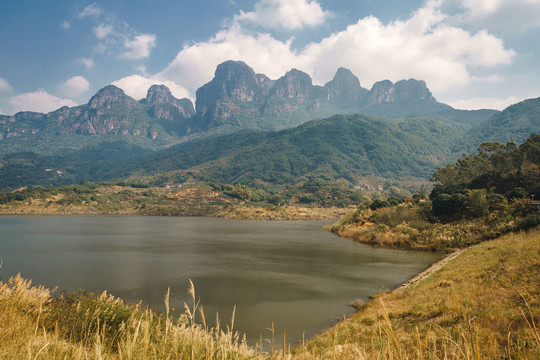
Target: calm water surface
[[291, 273]]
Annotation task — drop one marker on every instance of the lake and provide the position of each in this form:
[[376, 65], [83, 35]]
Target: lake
[[291, 273]]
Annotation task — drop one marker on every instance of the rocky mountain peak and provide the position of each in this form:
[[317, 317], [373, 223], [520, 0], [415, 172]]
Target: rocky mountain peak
[[345, 88], [387, 92], [294, 84], [161, 104], [413, 89], [235, 80], [159, 94], [111, 95]]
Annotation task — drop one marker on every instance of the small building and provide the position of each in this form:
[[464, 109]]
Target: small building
[[535, 203]]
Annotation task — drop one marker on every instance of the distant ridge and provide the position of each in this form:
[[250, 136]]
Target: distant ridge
[[235, 99]]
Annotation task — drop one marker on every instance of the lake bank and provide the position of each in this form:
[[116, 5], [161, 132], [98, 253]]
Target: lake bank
[[480, 304], [290, 273], [494, 316], [192, 200]]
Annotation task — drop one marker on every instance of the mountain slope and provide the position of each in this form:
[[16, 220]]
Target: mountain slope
[[342, 147], [515, 123]]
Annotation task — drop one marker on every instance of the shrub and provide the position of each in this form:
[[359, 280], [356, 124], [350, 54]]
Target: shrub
[[80, 315]]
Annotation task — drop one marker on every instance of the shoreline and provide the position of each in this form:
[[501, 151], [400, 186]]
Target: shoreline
[[240, 212]]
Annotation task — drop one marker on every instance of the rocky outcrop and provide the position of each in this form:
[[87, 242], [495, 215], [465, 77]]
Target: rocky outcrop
[[404, 90], [295, 84], [109, 111], [345, 88], [234, 83], [162, 105], [109, 97]]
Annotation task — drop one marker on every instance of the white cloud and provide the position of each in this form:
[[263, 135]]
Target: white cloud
[[484, 103], [103, 30], [139, 47], [89, 63], [91, 10], [75, 86], [288, 14], [65, 25], [423, 47], [38, 101], [137, 86], [501, 14], [4, 85], [116, 37], [196, 63]]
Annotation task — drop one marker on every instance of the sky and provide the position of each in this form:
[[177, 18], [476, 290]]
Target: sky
[[472, 54]]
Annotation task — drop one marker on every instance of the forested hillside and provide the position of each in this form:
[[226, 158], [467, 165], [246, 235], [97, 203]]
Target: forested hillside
[[346, 147]]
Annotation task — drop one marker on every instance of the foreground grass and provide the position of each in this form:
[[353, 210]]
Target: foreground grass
[[483, 304], [85, 326]]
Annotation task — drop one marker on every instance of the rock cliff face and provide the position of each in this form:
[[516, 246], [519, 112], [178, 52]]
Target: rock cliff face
[[404, 90], [161, 104], [109, 97], [234, 90], [295, 84], [109, 111], [345, 88]]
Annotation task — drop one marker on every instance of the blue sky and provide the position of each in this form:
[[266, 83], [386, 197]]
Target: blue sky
[[471, 53]]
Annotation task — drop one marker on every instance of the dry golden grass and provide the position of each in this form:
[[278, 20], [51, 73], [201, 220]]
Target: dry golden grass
[[248, 212], [484, 304], [26, 331]]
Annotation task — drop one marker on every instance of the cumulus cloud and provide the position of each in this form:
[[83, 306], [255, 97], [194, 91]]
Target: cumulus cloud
[[139, 47], [92, 10], [484, 103], [196, 63], [137, 86], [4, 85], [288, 14], [423, 46], [75, 86], [38, 101]]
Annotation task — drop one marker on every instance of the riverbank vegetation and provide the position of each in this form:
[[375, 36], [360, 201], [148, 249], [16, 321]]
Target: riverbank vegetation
[[480, 197], [314, 199]]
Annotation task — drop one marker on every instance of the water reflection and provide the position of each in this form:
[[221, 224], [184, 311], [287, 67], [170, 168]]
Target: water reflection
[[291, 273]]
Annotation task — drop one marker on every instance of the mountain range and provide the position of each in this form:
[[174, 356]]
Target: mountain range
[[235, 99], [403, 131]]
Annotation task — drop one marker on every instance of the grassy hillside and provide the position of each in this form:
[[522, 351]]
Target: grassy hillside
[[481, 305]]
